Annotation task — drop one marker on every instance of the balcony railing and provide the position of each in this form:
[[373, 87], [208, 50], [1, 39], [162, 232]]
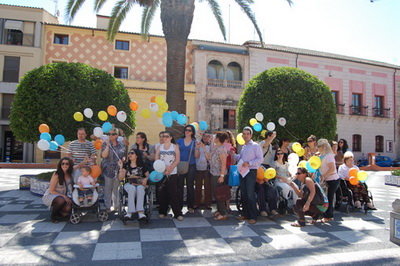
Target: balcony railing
[[5, 113], [22, 40], [340, 108], [358, 110], [236, 84], [381, 112]]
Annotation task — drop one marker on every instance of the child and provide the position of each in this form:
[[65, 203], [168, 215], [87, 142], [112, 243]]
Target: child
[[84, 180]]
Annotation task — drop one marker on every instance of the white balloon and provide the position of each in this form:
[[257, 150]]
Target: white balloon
[[282, 121], [293, 159], [43, 144], [88, 112], [153, 107], [159, 166], [121, 116], [292, 169], [271, 126], [98, 132], [260, 117]]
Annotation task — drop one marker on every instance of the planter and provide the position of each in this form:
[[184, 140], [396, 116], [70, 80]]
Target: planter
[[38, 187], [392, 180], [25, 181]]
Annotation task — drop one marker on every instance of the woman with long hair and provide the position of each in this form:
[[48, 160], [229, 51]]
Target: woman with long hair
[[202, 174], [311, 147], [282, 173], [342, 148], [146, 150]]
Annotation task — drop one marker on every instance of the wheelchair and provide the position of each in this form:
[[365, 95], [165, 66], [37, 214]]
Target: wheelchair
[[148, 203], [346, 197]]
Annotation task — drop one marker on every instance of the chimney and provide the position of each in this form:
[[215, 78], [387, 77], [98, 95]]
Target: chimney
[[102, 22]]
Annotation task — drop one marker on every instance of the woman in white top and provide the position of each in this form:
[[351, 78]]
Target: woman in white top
[[168, 195], [329, 175]]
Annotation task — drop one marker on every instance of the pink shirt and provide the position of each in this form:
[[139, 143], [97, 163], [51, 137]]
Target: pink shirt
[[329, 158], [85, 180]]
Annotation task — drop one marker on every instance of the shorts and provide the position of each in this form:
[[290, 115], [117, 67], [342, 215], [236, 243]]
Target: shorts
[[85, 193]]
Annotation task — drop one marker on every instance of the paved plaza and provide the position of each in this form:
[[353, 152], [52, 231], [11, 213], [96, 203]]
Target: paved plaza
[[28, 236]]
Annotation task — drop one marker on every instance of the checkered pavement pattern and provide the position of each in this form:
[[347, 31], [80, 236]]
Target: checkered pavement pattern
[[28, 236]]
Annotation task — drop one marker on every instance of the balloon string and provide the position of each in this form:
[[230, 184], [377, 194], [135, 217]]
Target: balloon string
[[114, 151], [94, 123], [126, 124], [90, 123], [290, 133]]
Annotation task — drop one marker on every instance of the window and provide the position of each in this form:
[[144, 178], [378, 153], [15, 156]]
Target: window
[[356, 142], [335, 96], [215, 70], [378, 143], [234, 71], [6, 106], [11, 69], [61, 38], [14, 37], [378, 109], [121, 72], [356, 104], [122, 45], [229, 118]]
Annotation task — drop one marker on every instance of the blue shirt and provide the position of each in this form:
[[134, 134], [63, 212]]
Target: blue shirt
[[251, 152], [185, 150]]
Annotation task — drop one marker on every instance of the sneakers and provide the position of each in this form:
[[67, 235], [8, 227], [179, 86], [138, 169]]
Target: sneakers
[[263, 213], [274, 212], [141, 215], [357, 204], [179, 218], [370, 206]]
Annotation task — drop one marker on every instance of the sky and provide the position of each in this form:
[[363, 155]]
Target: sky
[[355, 28]]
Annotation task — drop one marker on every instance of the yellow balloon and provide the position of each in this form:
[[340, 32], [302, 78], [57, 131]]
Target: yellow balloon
[[302, 164], [263, 133], [102, 115], [164, 106], [160, 113], [362, 175], [315, 162], [301, 152], [78, 116], [160, 100], [296, 147], [196, 125], [270, 173], [146, 113], [240, 139], [253, 121]]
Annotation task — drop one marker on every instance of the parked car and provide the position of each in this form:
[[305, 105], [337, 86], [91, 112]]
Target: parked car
[[383, 161], [396, 163]]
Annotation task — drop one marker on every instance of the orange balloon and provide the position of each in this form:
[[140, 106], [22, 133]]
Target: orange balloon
[[97, 144], [43, 128], [134, 106], [153, 99], [112, 110], [353, 172], [260, 173], [96, 171], [353, 180]]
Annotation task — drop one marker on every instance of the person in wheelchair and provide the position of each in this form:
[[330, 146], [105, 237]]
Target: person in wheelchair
[[84, 180], [267, 193], [360, 191], [135, 175]]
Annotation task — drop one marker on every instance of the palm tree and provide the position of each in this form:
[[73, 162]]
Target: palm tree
[[176, 18]]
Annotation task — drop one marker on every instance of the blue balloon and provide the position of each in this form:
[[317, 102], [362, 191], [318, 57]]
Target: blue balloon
[[156, 176], [174, 115], [257, 127], [45, 136], [309, 168], [203, 125], [53, 145], [59, 139], [167, 119], [106, 127], [182, 119]]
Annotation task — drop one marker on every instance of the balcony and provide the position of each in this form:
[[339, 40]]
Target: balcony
[[381, 112], [5, 113], [236, 84], [340, 108], [358, 110]]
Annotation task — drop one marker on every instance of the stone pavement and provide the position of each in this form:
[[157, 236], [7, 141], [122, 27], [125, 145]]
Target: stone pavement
[[28, 236]]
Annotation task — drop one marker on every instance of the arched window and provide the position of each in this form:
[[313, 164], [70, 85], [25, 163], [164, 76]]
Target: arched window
[[234, 72], [215, 70], [378, 143], [357, 142]]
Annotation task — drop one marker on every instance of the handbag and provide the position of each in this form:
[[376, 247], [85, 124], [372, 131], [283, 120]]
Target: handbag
[[234, 179], [183, 167], [222, 193], [320, 197]]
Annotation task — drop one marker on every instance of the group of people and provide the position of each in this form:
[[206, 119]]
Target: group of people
[[202, 166]]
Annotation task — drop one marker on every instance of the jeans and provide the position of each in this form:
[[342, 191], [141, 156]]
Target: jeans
[[247, 188], [313, 211], [169, 196], [267, 193], [135, 193], [111, 195], [332, 187], [203, 177], [187, 179], [221, 205]]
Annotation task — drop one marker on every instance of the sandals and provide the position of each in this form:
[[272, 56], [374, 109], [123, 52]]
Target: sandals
[[326, 220], [216, 214], [221, 217], [298, 224]]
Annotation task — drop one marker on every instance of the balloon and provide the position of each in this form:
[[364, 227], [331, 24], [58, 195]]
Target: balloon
[[102, 115], [146, 113], [112, 110], [106, 127], [43, 145], [196, 125], [203, 125], [121, 116], [302, 164], [301, 152], [253, 121], [134, 106], [315, 162], [259, 116], [97, 144], [167, 121], [182, 119], [153, 99], [263, 133], [153, 107], [159, 100], [362, 176], [53, 145], [296, 147], [156, 176], [239, 139], [260, 173], [98, 132], [159, 166], [88, 112], [353, 172], [95, 171], [160, 113], [292, 169], [43, 128], [309, 168], [282, 121], [59, 139], [78, 116], [293, 159], [164, 106], [46, 136], [353, 180], [271, 126], [270, 173], [174, 115], [257, 127]]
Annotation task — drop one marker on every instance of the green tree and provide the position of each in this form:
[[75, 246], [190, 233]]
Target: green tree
[[301, 98], [52, 93]]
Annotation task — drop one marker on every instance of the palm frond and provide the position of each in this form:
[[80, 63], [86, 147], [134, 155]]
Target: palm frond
[[218, 15], [147, 17], [72, 8], [118, 14], [98, 4], [290, 2], [245, 5]]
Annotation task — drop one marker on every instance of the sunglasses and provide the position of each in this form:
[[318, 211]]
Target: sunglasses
[[298, 173], [279, 153], [64, 163], [310, 140], [131, 153], [113, 134], [188, 130], [166, 136]]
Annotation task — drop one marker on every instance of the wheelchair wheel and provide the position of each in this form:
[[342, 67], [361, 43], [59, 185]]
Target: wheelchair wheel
[[121, 208], [282, 206], [148, 205], [238, 200], [75, 218], [348, 208], [102, 216]]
